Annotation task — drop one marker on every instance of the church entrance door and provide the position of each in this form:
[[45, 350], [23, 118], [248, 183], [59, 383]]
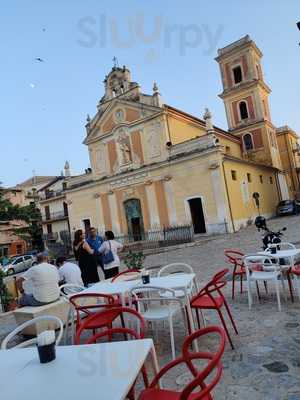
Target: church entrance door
[[134, 217], [197, 215]]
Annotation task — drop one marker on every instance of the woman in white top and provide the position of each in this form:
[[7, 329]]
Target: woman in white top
[[111, 269]]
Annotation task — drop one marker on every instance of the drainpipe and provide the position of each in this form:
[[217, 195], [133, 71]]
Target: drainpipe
[[228, 198], [278, 187], [290, 161]]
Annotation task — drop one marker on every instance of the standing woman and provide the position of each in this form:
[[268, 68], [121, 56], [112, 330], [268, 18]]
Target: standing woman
[[110, 245], [86, 260]]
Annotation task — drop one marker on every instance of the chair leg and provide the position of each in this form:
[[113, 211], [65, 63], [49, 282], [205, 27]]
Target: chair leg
[[225, 327], [241, 283], [230, 316], [257, 289], [172, 337], [249, 294], [186, 320], [278, 294], [266, 286], [290, 286], [198, 319], [283, 287]]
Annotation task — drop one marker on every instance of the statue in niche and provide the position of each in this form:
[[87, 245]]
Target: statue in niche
[[124, 149]]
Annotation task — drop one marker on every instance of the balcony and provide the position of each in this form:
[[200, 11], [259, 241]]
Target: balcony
[[51, 194], [55, 216], [50, 237]]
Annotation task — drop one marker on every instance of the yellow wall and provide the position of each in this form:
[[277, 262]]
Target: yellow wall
[[243, 207], [290, 159], [182, 130]]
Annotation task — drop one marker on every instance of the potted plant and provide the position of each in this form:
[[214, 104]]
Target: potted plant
[[134, 260], [6, 299]]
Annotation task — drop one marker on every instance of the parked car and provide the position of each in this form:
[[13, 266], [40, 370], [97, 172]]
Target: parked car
[[287, 207], [19, 264]]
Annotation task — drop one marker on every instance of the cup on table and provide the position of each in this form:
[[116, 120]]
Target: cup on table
[[46, 346], [145, 277]]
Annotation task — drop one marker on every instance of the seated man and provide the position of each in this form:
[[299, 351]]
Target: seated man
[[43, 279], [68, 272]]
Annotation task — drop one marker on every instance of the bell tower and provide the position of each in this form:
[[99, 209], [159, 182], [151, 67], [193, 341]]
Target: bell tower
[[246, 99]]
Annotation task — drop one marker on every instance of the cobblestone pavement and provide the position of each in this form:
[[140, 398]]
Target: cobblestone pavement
[[266, 360]]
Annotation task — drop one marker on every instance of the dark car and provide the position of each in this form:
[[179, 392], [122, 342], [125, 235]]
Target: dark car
[[287, 207]]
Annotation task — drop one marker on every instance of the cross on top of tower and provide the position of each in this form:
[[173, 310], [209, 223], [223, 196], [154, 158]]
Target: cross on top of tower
[[115, 61]]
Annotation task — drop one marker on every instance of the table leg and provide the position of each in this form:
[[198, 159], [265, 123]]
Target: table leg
[[190, 317]]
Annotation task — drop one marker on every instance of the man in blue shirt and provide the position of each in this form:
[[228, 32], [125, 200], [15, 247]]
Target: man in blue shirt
[[94, 240]]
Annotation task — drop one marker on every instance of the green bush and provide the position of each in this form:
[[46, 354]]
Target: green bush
[[5, 296], [134, 260]]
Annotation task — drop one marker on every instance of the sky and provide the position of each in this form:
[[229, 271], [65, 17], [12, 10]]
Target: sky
[[44, 105]]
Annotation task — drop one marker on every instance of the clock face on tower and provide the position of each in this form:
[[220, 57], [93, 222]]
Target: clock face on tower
[[119, 115]]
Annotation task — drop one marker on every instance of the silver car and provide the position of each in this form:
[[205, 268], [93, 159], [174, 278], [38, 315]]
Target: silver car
[[19, 264]]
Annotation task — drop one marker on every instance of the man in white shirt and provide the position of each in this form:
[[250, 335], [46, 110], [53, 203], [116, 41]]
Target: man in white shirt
[[68, 272], [43, 279]]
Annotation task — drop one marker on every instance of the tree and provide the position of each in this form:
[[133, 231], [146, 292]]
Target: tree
[[30, 214]]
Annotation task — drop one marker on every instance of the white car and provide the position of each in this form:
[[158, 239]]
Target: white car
[[19, 264]]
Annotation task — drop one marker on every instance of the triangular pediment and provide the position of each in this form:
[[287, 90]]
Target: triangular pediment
[[119, 113]]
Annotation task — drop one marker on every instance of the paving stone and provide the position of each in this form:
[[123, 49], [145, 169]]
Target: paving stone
[[266, 337], [276, 366]]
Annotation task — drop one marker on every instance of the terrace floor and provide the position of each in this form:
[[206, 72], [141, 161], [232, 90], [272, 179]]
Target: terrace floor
[[266, 360]]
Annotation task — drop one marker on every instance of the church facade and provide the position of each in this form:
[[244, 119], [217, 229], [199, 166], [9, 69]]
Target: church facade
[[154, 166]]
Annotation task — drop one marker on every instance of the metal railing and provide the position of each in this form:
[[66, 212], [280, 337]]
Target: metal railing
[[159, 237], [51, 194], [54, 215], [53, 236]]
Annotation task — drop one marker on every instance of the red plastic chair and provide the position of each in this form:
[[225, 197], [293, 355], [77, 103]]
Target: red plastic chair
[[84, 309], [110, 332], [235, 257], [127, 271], [108, 314], [187, 358], [205, 300], [295, 270], [116, 277]]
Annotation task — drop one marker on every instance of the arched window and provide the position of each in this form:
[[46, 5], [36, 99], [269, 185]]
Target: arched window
[[243, 110], [248, 142], [237, 74]]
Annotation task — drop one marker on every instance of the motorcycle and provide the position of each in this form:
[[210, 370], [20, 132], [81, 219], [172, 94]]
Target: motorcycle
[[268, 237]]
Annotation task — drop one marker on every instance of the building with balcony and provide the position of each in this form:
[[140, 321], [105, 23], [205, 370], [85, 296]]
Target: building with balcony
[[26, 193], [54, 209]]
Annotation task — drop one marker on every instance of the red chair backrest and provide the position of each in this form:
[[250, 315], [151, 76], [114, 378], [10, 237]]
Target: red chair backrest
[[214, 285], [213, 359], [214, 362], [107, 314], [128, 271], [88, 309], [235, 257]]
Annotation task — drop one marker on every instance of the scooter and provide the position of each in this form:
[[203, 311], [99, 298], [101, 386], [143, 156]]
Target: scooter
[[269, 237]]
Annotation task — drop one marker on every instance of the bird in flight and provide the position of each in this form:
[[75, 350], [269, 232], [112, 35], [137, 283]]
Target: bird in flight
[[39, 59]]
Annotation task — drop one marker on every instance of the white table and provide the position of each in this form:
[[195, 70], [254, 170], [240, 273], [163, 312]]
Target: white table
[[88, 372], [173, 281], [287, 258]]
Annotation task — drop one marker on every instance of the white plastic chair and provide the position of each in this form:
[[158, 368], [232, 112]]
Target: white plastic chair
[[179, 268], [34, 321], [271, 271], [66, 290], [158, 304]]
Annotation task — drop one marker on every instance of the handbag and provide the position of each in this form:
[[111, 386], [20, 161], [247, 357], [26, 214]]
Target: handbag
[[108, 257]]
